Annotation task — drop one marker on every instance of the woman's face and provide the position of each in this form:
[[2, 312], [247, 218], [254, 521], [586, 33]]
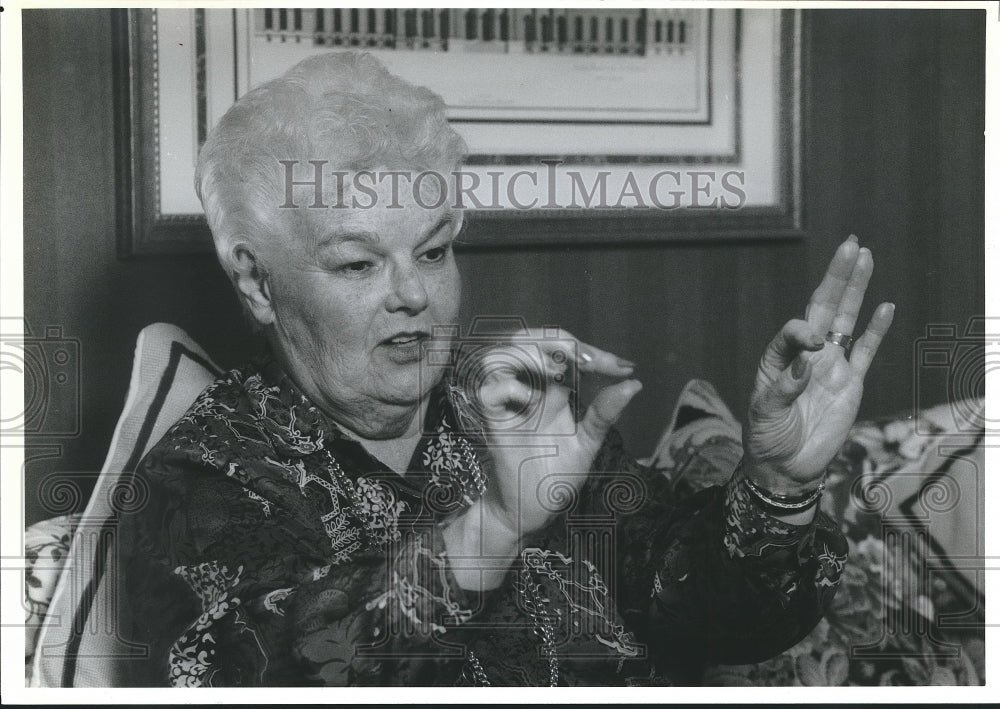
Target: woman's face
[[355, 302]]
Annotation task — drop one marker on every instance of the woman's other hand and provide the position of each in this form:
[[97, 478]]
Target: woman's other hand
[[808, 389], [541, 453]]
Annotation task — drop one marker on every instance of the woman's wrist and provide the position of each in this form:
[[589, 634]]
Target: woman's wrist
[[481, 546], [790, 500], [778, 482]]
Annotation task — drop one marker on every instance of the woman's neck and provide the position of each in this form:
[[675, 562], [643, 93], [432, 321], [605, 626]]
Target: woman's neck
[[395, 452], [389, 432]]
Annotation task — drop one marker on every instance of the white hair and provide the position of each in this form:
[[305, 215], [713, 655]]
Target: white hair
[[344, 108]]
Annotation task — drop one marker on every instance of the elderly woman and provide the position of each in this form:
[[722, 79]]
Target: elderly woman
[[343, 513]]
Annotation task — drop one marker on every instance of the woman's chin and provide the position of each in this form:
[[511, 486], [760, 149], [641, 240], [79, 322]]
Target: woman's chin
[[408, 388], [407, 377]]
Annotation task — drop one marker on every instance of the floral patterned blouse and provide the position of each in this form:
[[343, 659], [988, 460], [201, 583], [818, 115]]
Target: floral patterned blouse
[[274, 550]]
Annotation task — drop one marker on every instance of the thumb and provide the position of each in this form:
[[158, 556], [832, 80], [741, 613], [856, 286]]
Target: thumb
[[605, 410], [786, 387], [794, 337], [500, 394]]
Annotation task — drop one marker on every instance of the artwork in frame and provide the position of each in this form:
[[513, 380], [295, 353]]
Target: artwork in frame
[[590, 126]]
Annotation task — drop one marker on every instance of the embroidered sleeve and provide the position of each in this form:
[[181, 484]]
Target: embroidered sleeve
[[197, 564], [255, 559], [405, 625], [422, 594], [228, 588], [751, 532], [713, 577]]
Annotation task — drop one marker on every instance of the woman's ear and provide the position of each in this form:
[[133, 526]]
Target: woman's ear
[[251, 281]]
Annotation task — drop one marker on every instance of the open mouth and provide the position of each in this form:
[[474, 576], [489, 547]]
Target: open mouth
[[406, 338], [406, 347]]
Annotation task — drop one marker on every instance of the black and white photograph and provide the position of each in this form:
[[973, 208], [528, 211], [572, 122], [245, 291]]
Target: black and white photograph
[[589, 346]]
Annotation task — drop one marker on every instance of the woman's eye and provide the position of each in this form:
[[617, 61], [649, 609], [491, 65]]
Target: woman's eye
[[435, 255], [356, 266]]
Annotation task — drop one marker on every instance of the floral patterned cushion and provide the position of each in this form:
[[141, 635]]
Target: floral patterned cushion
[[909, 493], [46, 547]]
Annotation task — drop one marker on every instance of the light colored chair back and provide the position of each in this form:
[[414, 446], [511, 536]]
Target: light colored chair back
[[79, 644]]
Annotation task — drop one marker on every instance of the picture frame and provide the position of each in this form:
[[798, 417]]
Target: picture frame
[[730, 109]]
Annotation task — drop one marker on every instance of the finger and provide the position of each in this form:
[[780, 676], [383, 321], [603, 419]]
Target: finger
[[500, 394], [785, 388], [826, 298], [558, 344], [867, 345], [794, 337], [854, 294], [523, 361], [506, 404], [606, 409], [597, 361]]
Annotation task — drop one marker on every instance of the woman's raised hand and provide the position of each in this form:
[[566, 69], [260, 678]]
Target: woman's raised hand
[[541, 453], [808, 389]]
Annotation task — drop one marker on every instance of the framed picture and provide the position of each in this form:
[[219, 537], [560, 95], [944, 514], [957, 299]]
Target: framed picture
[[582, 125]]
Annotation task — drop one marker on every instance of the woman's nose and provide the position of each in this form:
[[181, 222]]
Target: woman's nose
[[407, 292]]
